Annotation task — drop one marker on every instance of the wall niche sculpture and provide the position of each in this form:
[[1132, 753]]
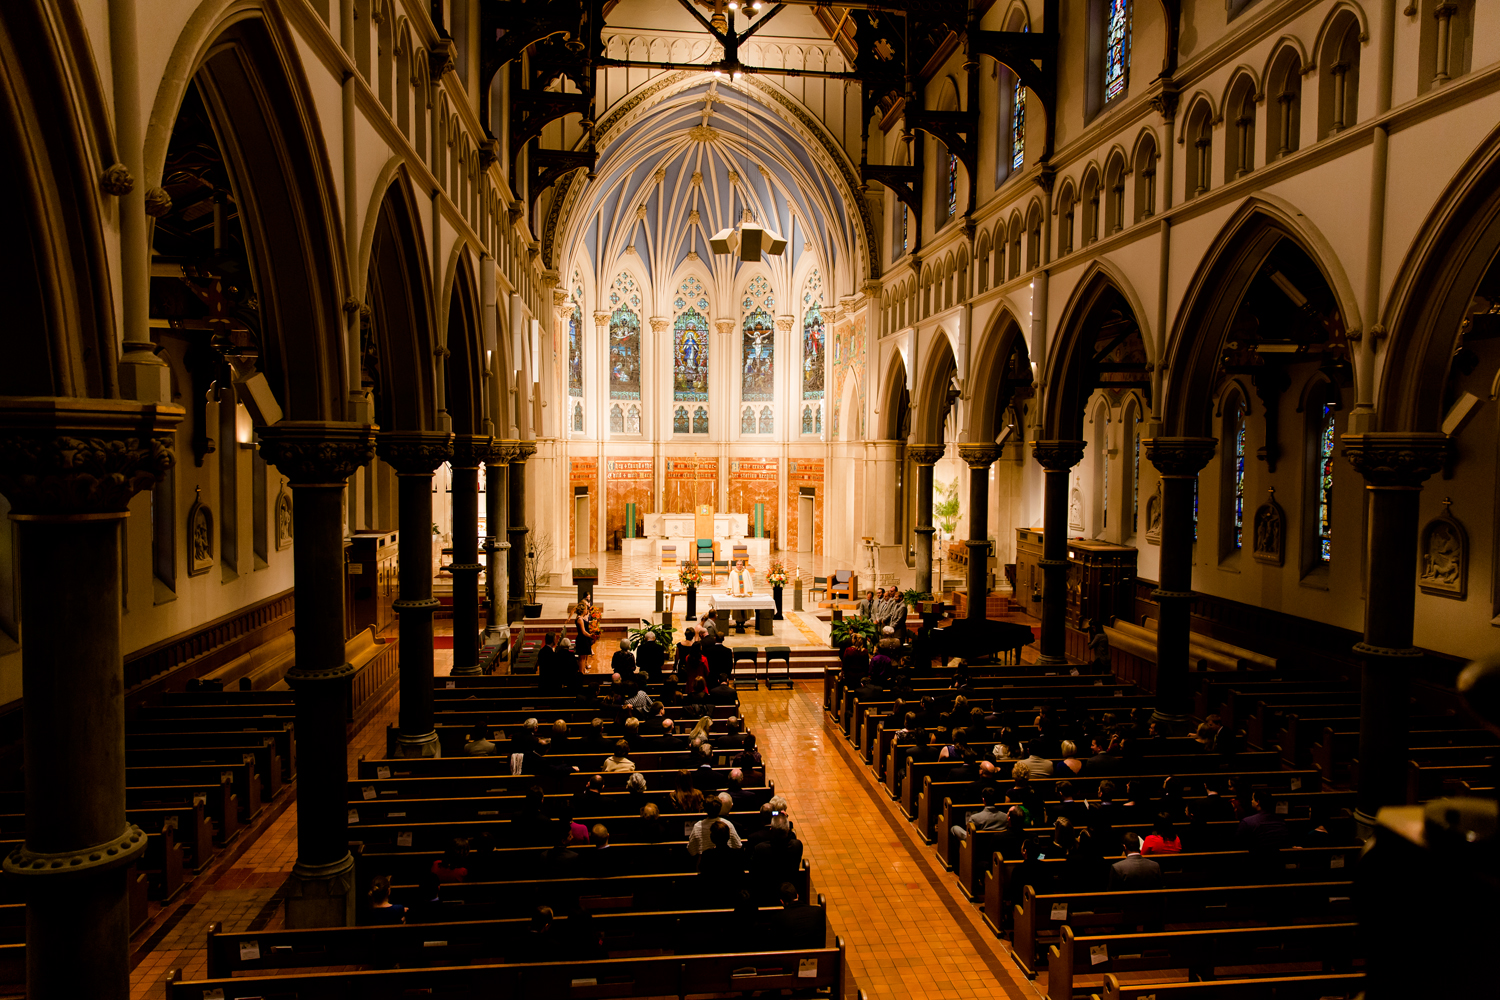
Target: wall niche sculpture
[[1443, 556], [283, 518], [1153, 516], [1269, 532], [200, 528]]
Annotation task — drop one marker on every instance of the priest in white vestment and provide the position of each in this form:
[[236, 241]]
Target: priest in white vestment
[[741, 583]]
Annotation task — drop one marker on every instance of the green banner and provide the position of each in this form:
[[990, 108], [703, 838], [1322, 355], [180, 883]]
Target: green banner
[[760, 520], [630, 520]]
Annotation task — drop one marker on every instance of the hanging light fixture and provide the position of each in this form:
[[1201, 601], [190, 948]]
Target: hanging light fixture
[[749, 239]]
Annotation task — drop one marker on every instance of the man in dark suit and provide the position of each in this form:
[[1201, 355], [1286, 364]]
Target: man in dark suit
[[733, 738], [668, 740], [1134, 872], [1076, 811], [743, 801], [603, 861], [560, 862], [797, 925], [649, 657], [720, 664], [993, 817], [1262, 833], [1104, 760], [623, 662]]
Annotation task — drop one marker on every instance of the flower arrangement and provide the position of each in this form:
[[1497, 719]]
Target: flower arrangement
[[690, 576], [596, 624], [777, 576]]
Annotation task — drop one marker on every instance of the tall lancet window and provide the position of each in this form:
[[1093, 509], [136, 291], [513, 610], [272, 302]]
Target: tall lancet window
[[1325, 484], [575, 354], [625, 354], [1018, 126], [952, 187], [1116, 49], [690, 349], [813, 347], [758, 353]]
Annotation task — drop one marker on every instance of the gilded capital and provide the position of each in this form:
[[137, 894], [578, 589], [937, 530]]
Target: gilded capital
[[62, 456], [1057, 456], [317, 452], [925, 454], [980, 454], [1396, 459], [659, 325], [1180, 456], [469, 450], [414, 453], [724, 326]]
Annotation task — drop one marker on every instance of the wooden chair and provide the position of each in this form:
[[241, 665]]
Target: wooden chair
[[819, 586], [740, 552], [841, 584]]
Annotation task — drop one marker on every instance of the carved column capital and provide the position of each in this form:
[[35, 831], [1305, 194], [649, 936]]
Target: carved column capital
[[414, 453], [1180, 456], [724, 326], [601, 319], [1057, 456], [784, 324], [925, 454], [317, 452], [469, 450], [659, 325], [1396, 459], [524, 450], [562, 304], [62, 457], [979, 454], [500, 452]]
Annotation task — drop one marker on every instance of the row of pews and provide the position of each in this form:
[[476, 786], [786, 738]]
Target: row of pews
[[1226, 922], [664, 930]]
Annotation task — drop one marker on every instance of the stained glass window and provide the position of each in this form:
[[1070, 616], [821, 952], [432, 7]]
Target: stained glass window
[[767, 421], [758, 343], [690, 344], [812, 337], [1018, 121], [633, 420], [1238, 426], [1116, 49], [952, 186], [818, 421], [905, 242], [1135, 472], [578, 417], [747, 420], [807, 420], [680, 420], [700, 420], [575, 339], [616, 419], [1325, 485], [624, 340]]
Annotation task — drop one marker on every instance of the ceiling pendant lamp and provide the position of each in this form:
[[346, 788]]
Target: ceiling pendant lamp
[[749, 240]]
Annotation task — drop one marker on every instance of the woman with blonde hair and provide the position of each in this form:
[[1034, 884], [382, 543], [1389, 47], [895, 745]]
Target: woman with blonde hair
[[1070, 756], [685, 798], [701, 729]]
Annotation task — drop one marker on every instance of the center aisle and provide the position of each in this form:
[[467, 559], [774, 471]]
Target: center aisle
[[907, 931]]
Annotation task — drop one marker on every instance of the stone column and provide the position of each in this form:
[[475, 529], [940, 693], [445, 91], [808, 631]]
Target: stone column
[[1394, 464], [468, 451], [415, 455], [979, 457], [69, 468], [517, 529], [925, 456], [1057, 459], [1179, 460], [496, 548], [317, 457]]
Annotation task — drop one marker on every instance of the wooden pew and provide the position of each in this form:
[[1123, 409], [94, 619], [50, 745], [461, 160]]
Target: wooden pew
[[932, 800], [1268, 716], [404, 864], [1425, 782], [370, 785], [1197, 868], [1339, 745], [619, 894], [263, 665], [1334, 986], [243, 776], [464, 807], [672, 932], [666, 975], [216, 797], [1037, 920], [163, 862], [1200, 952], [420, 833], [262, 756], [975, 853], [1212, 696], [437, 767], [1301, 731], [156, 734]]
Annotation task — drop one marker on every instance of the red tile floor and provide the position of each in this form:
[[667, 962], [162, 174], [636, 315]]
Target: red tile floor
[[907, 930]]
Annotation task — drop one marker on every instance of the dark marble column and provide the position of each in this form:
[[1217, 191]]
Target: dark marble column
[[517, 528], [1394, 465], [468, 451], [925, 456], [496, 547], [317, 457], [1179, 460], [69, 468], [979, 457], [415, 455], [1057, 459]]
